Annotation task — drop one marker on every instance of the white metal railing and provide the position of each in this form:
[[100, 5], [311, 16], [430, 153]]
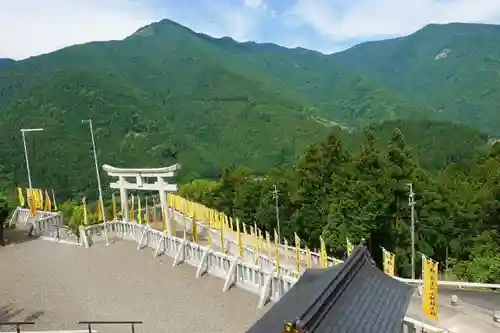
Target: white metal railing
[[258, 278], [270, 286], [455, 284]]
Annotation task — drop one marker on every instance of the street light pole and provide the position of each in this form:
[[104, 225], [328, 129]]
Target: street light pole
[[411, 203], [101, 202], [24, 130]]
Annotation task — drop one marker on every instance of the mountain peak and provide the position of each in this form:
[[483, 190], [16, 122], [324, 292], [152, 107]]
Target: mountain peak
[[165, 25]]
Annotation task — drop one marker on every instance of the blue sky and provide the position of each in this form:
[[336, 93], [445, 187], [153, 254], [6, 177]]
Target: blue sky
[[32, 27]]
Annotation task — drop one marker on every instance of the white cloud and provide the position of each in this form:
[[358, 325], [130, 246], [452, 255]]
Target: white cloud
[[253, 3], [221, 18], [345, 19], [31, 27]]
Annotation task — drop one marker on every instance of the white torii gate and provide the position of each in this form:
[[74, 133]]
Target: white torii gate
[[141, 175]]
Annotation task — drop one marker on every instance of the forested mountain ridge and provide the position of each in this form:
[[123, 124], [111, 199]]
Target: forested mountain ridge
[[452, 69], [152, 104], [167, 94]]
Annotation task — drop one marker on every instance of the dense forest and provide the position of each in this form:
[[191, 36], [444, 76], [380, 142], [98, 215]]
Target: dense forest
[[364, 194]]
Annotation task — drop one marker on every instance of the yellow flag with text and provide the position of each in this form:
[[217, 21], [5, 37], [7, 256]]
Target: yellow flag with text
[[20, 196], [389, 262], [430, 301]]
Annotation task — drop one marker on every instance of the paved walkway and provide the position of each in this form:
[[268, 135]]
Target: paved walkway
[[59, 284]]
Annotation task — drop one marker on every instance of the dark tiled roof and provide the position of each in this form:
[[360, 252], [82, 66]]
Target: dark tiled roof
[[353, 297]]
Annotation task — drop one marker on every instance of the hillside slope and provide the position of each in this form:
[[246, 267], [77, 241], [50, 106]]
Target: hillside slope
[[452, 68], [160, 96], [327, 87], [435, 144]]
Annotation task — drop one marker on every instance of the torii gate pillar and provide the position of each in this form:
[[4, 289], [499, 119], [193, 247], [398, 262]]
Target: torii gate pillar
[[141, 176]]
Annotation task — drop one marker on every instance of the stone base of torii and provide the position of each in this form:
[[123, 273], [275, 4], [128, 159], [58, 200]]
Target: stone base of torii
[[137, 179]]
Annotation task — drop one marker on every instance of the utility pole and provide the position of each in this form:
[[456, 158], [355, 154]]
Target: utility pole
[[411, 203], [276, 204]]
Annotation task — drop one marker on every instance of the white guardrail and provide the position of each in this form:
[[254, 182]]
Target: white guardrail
[[260, 278]]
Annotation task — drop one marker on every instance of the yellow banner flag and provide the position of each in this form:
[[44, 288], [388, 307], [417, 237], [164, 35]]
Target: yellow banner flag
[[297, 254], [154, 213], [113, 204], [146, 213], [48, 204], [40, 198], [132, 209], [430, 303], [54, 200], [84, 207], [195, 225], [277, 250], [389, 262], [222, 240], [35, 197], [349, 246], [323, 254], [20, 196], [139, 210], [32, 204], [163, 219], [240, 242], [99, 211]]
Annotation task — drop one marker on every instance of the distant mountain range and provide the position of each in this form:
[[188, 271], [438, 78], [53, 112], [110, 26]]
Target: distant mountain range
[[168, 94]]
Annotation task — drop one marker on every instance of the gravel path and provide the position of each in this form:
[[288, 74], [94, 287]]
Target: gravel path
[[61, 284]]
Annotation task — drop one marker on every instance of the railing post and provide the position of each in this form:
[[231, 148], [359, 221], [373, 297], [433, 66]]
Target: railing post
[[58, 237], [89, 327]]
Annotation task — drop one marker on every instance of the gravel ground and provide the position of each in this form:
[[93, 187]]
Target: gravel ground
[[59, 284]]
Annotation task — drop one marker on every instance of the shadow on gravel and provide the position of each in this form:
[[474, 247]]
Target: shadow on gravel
[[16, 235], [9, 313]]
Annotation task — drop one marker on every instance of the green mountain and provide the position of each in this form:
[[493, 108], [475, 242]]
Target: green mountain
[[434, 144], [453, 69], [167, 94], [160, 96], [326, 86]]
